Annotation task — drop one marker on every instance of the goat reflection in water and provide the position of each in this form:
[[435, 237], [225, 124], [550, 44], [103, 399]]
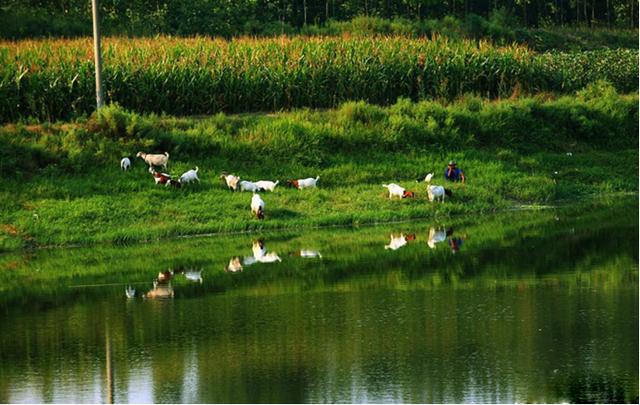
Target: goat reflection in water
[[435, 236], [260, 255], [161, 287], [399, 240]]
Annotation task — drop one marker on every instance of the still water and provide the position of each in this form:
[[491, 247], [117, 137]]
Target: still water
[[530, 306]]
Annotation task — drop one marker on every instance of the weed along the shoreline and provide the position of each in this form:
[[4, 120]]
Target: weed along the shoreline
[[63, 185]]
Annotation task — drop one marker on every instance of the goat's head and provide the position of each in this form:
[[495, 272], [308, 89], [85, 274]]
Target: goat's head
[[448, 192], [141, 154], [410, 237], [408, 194], [260, 215], [292, 183], [174, 183]]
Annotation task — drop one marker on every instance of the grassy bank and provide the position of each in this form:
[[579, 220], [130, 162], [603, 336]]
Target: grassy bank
[[62, 183], [54, 79], [352, 259]]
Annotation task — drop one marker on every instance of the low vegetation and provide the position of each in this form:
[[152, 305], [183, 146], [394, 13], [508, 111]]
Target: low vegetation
[[63, 185], [54, 79]]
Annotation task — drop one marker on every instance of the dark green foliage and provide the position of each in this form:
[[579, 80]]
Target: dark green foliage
[[503, 20]]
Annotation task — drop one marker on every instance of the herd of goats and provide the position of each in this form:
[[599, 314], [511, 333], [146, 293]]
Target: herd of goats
[[234, 183]]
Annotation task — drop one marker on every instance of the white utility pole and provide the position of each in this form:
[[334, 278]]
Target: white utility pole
[[97, 53]]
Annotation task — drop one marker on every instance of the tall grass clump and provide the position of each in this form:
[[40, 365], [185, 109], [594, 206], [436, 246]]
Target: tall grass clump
[[53, 79]]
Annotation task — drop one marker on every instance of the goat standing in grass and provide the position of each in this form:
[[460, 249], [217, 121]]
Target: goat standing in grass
[[125, 163], [155, 160], [230, 180], [189, 176], [397, 191], [309, 182], [267, 185], [249, 186], [257, 206], [436, 192]]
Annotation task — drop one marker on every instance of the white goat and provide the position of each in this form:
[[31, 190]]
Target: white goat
[[267, 185], [189, 176], [248, 186], [125, 163], [231, 180], [397, 191], [309, 182], [155, 160], [437, 192], [257, 206]]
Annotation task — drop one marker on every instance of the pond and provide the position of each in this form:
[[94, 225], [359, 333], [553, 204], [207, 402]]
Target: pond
[[520, 306]]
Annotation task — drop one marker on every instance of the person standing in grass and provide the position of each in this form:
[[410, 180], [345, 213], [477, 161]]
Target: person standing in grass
[[453, 173]]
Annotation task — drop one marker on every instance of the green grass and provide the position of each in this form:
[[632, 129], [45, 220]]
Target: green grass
[[62, 183]]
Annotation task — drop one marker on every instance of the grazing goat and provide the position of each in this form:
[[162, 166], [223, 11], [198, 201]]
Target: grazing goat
[[257, 206], [267, 185], [399, 241], [160, 178], [173, 183], [249, 186], [189, 176], [230, 180], [309, 182], [155, 160], [438, 192], [426, 179], [125, 163], [397, 191]]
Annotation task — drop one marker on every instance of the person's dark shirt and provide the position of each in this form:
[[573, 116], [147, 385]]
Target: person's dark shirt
[[456, 174]]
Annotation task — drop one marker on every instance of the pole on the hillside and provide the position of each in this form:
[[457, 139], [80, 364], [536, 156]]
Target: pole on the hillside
[[97, 53]]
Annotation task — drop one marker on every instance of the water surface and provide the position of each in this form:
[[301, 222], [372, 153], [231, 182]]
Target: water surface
[[532, 306]]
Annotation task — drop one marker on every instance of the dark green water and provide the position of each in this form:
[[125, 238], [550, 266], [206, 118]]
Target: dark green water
[[517, 307]]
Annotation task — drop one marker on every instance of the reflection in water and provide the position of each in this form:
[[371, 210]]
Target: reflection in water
[[194, 275], [130, 292], [234, 265], [308, 254], [437, 236], [161, 286], [260, 255], [399, 240], [500, 323]]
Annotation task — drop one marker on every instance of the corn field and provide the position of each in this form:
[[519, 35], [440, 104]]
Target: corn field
[[54, 79]]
